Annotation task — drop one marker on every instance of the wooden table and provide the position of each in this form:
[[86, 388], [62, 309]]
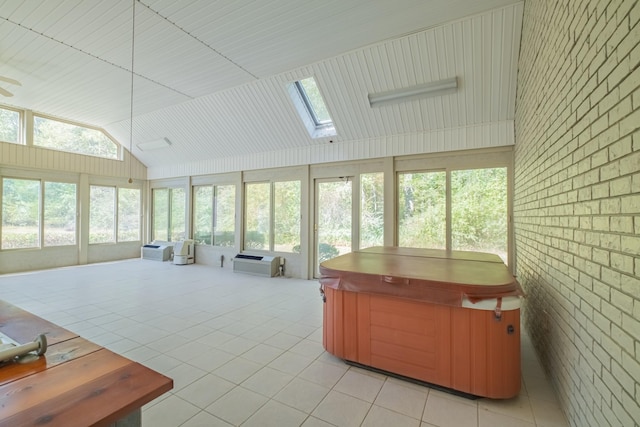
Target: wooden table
[[76, 383]]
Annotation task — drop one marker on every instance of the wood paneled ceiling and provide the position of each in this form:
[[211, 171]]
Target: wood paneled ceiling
[[211, 75]]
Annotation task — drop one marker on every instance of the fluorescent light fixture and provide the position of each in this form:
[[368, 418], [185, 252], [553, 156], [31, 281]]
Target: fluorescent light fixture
[[437, 88], [154, 145]]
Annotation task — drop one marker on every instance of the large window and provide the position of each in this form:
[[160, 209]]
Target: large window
[[479, 210], [36, 214], [102, 214], [129, 209], [59, 213], [422, 210], [20, 213], [214, 214], [286, 216], [169, 214], [477, 201], [371, 209], [9, 126], [272, 216], [57, 135]]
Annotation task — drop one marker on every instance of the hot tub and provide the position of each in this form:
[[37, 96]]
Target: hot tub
[[449, 318]]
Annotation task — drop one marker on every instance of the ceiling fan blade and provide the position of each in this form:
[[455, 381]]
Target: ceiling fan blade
[[12, 81], [6, 93]]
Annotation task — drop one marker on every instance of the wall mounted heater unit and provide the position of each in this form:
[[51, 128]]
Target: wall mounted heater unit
[[257, 265]]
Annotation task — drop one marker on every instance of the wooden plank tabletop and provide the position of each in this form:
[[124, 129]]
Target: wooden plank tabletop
[[76, 383]]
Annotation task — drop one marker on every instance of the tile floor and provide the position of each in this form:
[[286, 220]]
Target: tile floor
[[247, 351]]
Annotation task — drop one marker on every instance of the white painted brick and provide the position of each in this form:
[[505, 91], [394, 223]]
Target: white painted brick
[[630, 164], [630, 244], [630, 123], [621, 300], [621, 337], [630, 204], [631, 325], [620, 186], [621, 224], [629, 284], [620, 148]]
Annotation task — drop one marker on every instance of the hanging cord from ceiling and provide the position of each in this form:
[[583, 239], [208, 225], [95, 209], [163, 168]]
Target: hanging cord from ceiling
[[133, 48]]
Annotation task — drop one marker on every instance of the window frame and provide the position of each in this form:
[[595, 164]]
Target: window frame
[[304, 107], [272, 214], [20, 136]]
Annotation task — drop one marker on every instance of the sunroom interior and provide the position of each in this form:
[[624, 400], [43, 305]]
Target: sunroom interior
[[307, 130]]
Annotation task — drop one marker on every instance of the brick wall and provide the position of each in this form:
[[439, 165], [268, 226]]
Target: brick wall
[[577, 202]]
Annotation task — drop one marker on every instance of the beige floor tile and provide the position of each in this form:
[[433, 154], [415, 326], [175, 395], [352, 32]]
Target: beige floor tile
[[548, 414], [308, 348], [206, 390], [325, 374], [239, 345], [267, 381], [262, 353], [211, 359], [282, 340], [443, 411], [315, 422], [494, 419], [183, 375], [290, 363], [342, 410], [237, 406], [400, 398], [170, 412], [204, 419], [359, 385], [275, 414], [302, 394], [518, 407], [237, 370], [382, 417]]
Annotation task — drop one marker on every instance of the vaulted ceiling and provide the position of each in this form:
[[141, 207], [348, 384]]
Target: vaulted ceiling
[[211, 76]]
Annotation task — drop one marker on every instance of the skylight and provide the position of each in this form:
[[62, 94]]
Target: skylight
[[311, 107]]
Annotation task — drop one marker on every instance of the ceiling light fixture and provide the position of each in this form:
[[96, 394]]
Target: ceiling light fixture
[[154, 145], [133, 45], [437, 88]]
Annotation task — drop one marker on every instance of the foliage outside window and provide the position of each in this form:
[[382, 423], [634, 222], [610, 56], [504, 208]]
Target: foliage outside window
[[371, 210], [102, 214], [160, 230], [9, 126], [20, 213], [479, 210], [225, 216], [60, 199], [214, 214], [257, 216], [32, 209], [169, 214], [57, 135], [203, 214], [479, 219], [422, 210], [286, 216], [272, 209], [334, 219], [129, 209], [313, 99]]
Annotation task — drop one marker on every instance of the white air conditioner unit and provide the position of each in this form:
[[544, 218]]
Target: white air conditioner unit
[[257, 265]]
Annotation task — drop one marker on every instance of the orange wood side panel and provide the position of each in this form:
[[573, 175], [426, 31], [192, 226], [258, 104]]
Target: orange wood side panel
[[455, 347]]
